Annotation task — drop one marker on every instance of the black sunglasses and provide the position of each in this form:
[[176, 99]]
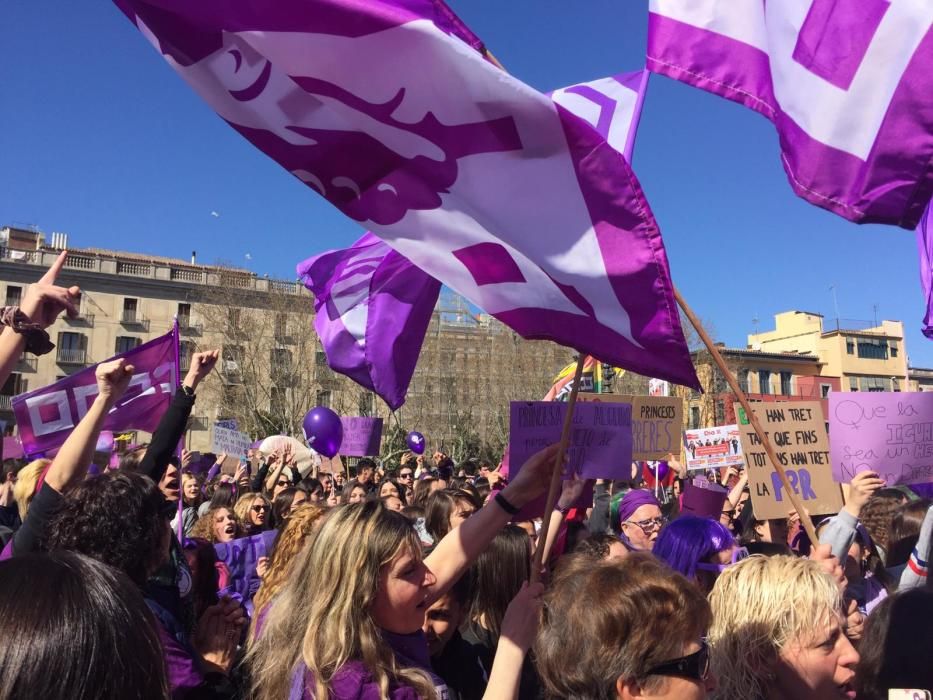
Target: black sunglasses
[[694, 666], [259, 509]]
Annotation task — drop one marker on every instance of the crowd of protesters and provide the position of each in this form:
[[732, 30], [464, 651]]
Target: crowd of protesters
[[417, 581]]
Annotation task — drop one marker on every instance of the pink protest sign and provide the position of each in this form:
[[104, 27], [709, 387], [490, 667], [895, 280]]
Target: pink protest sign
[[886, 432], [361, 436]]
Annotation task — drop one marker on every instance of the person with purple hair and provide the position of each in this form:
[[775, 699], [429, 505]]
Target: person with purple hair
[[640, 520], [698, 548]]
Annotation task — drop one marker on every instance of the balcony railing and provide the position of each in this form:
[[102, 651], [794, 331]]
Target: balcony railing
[[6, 403], [71, 356], [133, 318], [186, 327], [27, 364], [82, 319]]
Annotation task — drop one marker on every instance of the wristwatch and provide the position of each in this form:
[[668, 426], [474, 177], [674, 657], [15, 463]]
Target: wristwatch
[[189, 392]]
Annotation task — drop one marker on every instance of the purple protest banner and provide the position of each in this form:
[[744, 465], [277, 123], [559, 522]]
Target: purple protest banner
[[240, 557], [46, 416], [361, 436], [12, 449], [600, 440], [886, 432]]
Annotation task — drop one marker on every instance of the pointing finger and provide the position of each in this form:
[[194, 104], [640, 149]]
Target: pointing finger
[[52, 273]]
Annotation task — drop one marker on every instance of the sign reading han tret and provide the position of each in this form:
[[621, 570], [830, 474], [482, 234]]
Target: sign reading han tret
[[229, 442], [361, 436], [890, 433], [600, 439], [712, 448], [656, 423], [797, 432]]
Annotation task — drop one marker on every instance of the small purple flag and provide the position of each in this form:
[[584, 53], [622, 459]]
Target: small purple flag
[[925, 246], [388, 110], [373, 308], [848, 85], [47, 416]]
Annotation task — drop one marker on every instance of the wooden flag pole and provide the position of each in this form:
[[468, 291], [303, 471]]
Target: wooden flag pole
[[743, 400], [554, 488]]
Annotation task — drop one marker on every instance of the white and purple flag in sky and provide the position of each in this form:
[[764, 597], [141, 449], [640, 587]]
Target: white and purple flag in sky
[[373, 305], [847, 83], [925, 248], [388, 110]]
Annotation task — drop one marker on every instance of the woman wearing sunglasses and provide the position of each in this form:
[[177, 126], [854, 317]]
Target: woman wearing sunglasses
[[608, 632], [698, 548], [254, 512], [778, 632]]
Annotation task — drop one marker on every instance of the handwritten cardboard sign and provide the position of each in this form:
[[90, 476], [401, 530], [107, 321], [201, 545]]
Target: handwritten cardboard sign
[[886, 432], [240, 557], [600, 439], [657, 422], [230, 442], [361, 436], [797, 431], [711, 448]]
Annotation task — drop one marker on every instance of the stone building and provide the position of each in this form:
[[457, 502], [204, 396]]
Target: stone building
[[273, 368]]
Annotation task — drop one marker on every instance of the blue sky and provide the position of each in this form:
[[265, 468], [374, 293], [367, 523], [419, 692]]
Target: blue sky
[[100, 139]]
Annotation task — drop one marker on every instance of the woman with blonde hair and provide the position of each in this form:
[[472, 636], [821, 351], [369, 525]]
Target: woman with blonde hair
[[778, 632], [253, 511], [27, 483], [298, 528], [348, 621]]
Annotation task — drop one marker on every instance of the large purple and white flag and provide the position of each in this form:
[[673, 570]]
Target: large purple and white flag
[[925, 248], [373, 309], [374, 306], [388, 110], [45, 417], [849, 86]]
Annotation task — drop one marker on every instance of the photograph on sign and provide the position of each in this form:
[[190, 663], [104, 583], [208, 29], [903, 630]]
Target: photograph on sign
[[797, 431], [712, 448]]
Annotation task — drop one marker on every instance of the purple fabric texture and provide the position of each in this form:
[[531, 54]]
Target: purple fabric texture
[[850, 91], [386, 110], [373, 308], [925, 248], [45, 417]]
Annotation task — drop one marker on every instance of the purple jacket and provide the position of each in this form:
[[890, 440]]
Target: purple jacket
[[354, 682]]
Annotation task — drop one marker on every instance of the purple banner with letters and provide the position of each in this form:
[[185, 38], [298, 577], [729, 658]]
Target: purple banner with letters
[[45, 417], [886, 432], [240, 558], [361, 436]]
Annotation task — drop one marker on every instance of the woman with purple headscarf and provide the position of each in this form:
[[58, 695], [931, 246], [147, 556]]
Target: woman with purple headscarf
[[640, 520]]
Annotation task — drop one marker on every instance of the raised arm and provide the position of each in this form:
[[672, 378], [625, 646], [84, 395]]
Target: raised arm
[[462, 545], [41, 305], [71, 463], [172, 426]]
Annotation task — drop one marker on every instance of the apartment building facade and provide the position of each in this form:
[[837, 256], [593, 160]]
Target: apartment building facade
[[273, 368]]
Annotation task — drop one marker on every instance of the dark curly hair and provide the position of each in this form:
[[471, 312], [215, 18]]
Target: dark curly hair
[[116, 518]]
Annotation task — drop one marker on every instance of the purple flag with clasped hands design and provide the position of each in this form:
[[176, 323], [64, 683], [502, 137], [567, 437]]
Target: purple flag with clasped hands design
[[388, 110], [374, 306], [373, 309], [45, 417], [847, 83]]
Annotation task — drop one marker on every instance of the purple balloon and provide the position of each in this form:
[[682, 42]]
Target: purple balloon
[[663, 470], [323, 431], [415, 442]]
